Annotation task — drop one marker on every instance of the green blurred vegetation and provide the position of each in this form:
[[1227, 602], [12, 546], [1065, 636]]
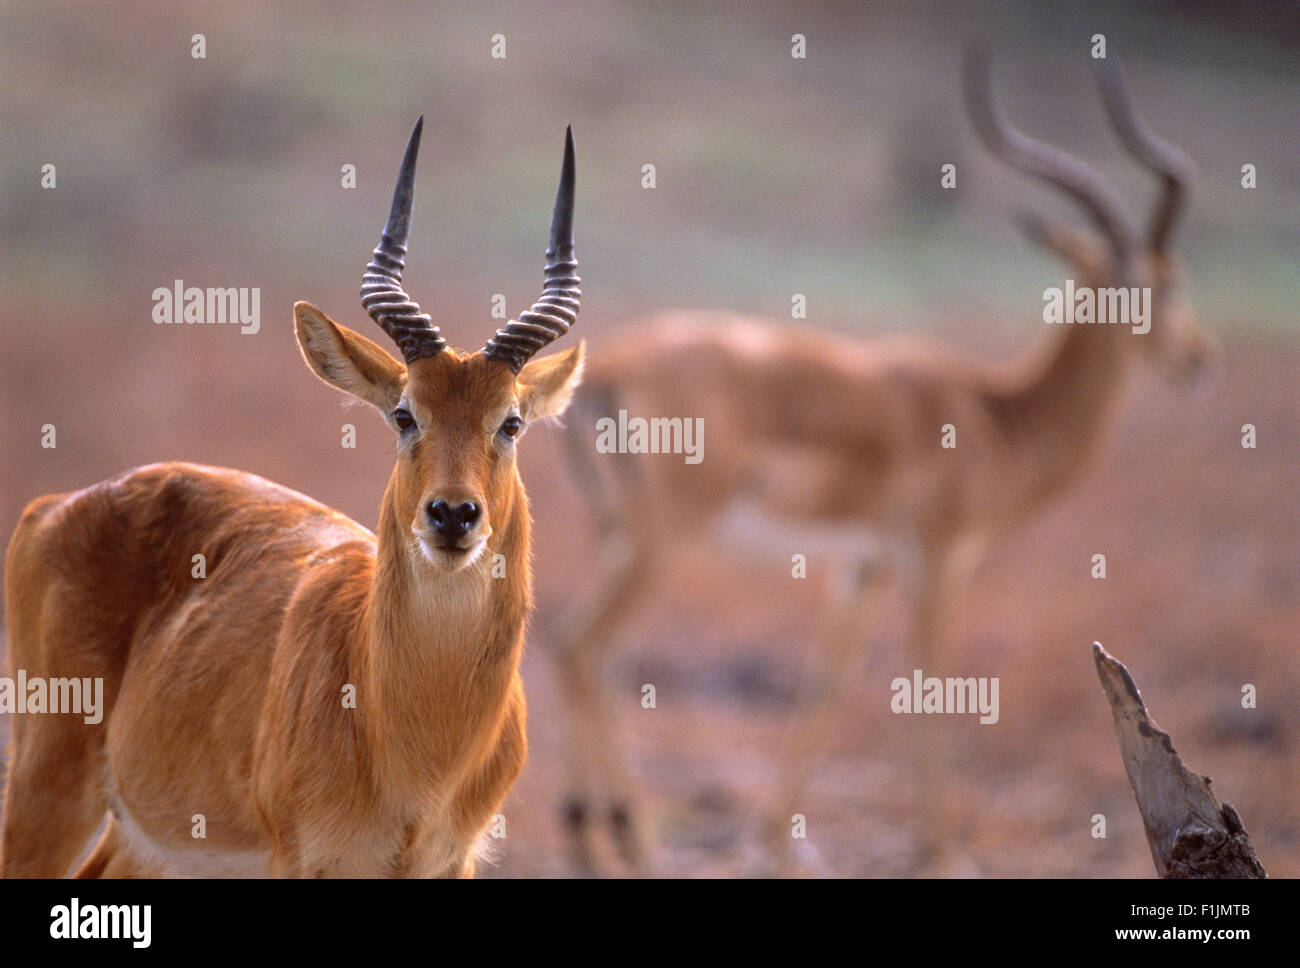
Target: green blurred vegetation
[[774, 175]]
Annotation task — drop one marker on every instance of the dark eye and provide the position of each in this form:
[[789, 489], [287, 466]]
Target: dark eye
[[512, 426], [403, 419]]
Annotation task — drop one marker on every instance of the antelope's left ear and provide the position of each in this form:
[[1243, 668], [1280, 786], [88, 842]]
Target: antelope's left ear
[[546, 386]]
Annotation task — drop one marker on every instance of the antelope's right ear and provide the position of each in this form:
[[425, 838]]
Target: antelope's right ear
[[347, 360]]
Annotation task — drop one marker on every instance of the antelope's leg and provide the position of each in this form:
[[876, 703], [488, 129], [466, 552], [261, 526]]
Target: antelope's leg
[[932, 650], [855, 597], [54, 798], [625, 572]]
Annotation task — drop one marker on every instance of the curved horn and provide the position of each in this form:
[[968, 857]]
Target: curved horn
[[1041, 160], [382, 294], [1172, 164], [556, 308]]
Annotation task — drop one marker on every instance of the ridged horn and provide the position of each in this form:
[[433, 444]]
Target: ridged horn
[[382, 294], [1172, 164], [1043, 161], [556, 308]]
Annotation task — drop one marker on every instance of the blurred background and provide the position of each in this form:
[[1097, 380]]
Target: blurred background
[[774, 175]]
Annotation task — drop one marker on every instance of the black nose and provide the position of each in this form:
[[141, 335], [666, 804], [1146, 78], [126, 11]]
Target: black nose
[[452, 523]]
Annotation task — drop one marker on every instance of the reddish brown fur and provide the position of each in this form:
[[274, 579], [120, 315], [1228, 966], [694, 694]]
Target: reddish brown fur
[[224, 694]]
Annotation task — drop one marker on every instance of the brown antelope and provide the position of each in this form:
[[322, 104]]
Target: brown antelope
[[832, 449], [228, 695]]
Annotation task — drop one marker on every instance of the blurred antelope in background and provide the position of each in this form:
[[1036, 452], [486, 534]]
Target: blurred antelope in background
[[227, 695], [832, 448]]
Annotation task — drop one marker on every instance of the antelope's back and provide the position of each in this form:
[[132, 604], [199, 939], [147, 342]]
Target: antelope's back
[[806, 426], [152, 560]]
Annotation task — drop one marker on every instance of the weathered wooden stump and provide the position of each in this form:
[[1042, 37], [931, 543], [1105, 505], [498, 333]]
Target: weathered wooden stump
[[1189, 833]]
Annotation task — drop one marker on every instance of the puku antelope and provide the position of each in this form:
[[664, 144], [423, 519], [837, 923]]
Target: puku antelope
[[833, 449], [228, 695]]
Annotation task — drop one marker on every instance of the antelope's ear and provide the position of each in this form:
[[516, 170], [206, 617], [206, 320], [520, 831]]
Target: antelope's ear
[[546, 386], [347, 360]]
